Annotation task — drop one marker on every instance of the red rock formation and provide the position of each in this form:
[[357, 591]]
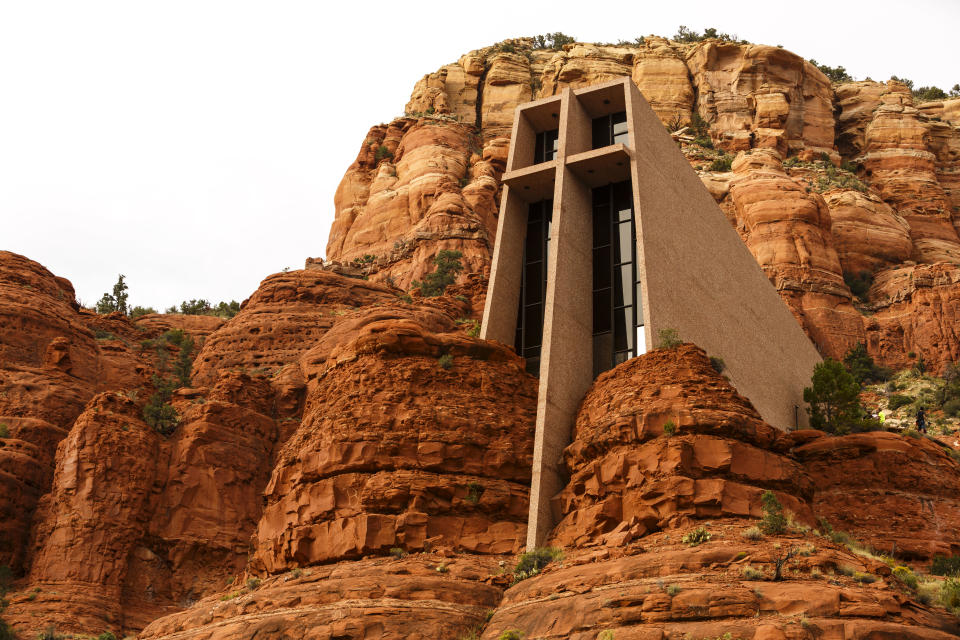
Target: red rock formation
[[427, 456], [895, 493], [788, 229]]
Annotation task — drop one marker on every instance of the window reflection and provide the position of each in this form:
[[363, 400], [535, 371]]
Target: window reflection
[[610, 129], [533, 285], [546, 146], [617, 314]]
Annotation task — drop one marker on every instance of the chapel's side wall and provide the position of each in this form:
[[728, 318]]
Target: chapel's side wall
[[702, 281]]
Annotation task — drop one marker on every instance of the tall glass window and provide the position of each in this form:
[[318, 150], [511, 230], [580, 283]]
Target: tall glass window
[[546, 146], [533, 284], [610, 129], [617, 311]]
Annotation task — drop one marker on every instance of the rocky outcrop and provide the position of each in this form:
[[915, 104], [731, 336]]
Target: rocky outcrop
[[436, 452], [627, 480], [421, 596], [788, 229], [418, 187]]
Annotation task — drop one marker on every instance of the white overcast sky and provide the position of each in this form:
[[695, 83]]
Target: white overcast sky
[[196, 146]]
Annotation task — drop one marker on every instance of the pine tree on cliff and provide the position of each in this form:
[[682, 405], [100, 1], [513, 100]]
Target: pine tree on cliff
[[117, 301], [834, 398]]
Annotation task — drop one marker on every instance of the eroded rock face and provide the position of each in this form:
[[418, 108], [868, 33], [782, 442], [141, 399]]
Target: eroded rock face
[[627, 481], [898, 494], [788, 229], [374, 598], [429, 455]]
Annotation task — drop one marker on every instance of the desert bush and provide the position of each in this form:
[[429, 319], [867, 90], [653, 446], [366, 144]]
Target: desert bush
[[554, 40], [668, 339], [381, 153], [898, 400], [669, 428], [906, 576], [673, 590], [512, 634], [158, 413], [773, 521], [253, 583], [138, 311], [862, 367], [859, 283], [474, 491], [718, 364], [448, 267], [836, 74], [532, 562], [949, 595], [696, 537], [752, 533], [722, 163], [945, 566], [397, 552], [750, 573], [445, 361], [4, 430]]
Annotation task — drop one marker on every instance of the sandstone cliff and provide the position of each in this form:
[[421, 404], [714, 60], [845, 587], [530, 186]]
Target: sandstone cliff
[[898, 208]]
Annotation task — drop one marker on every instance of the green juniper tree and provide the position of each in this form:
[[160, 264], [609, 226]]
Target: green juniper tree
[[834, 398]]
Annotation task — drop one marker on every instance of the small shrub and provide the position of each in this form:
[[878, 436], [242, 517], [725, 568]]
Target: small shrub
[[859, 284], [100, 334], [397, 552], [773, 521], [405, 297], [512, 634], [836, 74], [741, 555], [668, 339], [253, 583], [175, 336], [898, 400], [296, 573], [696, 537], [718, 364], [4, 430], [945, 565], [952, 408], [445, 361], [605, 635], [442, 568], [864, 578], [474, 491], [750, 573], [554, 40], [906, 576], [448, 268], [753, 533], [532, 562], [815, 573], [381, 153], [949, 595], [845, 570], [106, 635], [669, 428], [158, 412], [723, 163], [673, 590]]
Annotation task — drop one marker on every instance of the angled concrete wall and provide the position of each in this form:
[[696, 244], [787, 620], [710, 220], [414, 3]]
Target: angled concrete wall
[[697, 276]]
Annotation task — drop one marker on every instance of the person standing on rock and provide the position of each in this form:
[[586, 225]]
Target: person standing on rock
[[921, 420]]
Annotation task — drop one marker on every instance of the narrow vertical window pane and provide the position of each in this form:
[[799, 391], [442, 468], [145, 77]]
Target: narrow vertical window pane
[[623, 331], [533, 326], [619, 124], [601, 132], [623, 285], [601, 275], [601, 311], [624, 241]]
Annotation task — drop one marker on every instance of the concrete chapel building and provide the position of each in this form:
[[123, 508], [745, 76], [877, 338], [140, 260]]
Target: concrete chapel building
[[607, 236]]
